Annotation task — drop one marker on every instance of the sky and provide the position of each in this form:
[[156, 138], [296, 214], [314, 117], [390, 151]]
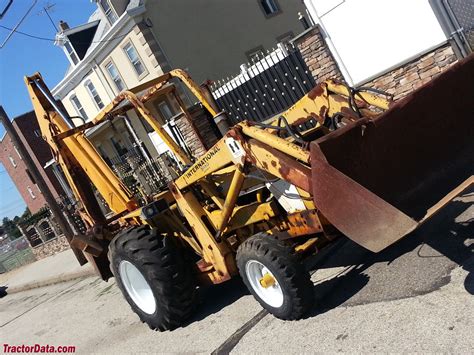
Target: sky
[[22, 56]]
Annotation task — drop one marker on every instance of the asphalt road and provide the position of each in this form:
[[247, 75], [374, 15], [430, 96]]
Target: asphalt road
[[417, 296]]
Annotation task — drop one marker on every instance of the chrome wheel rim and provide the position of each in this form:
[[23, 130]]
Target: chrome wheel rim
[[137, 287], [271, 295]]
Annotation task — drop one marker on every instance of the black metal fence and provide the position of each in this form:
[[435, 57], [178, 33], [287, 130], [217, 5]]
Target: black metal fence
[[142, 176], [462, 13], [267, 87]]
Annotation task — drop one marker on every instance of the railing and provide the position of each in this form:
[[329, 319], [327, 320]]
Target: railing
[[142, 176], [265, 88]]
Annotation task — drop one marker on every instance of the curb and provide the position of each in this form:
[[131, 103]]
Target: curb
[[82, 274]]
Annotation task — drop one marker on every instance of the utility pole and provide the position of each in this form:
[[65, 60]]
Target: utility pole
[[48, 196]]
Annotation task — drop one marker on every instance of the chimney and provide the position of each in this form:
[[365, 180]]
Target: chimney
[[63, 26]]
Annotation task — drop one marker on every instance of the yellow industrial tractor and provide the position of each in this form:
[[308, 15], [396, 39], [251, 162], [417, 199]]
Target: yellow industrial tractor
[[265, 197]]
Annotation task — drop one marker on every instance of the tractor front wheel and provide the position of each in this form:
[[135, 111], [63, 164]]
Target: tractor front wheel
[[275, 276], [153, 276]]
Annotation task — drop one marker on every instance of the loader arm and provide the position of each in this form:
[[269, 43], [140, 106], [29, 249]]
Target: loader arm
[[79, 160]]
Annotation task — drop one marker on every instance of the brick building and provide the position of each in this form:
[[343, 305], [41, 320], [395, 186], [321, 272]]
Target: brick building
[[41, 230], [28, 130]]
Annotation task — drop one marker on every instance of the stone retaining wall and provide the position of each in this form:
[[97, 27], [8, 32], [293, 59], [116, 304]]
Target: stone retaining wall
[[51, 247], [399, 81], [317, 55], [410, 76]]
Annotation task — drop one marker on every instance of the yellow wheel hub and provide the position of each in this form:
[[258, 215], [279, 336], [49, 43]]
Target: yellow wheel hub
[[267, 280]]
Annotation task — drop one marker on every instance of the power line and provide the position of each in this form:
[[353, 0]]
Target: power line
[[54, 40], [5, 9], [13, 30]]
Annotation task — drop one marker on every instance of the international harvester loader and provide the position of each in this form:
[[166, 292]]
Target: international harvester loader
[[266, 196]]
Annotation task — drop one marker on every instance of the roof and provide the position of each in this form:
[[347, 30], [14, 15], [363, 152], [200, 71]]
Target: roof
[[80, 28], [102, 28], [81, 37], [103, 35]]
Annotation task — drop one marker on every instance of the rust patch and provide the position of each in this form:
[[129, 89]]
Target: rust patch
[[323, 112], [295, 173], [300, 224], [317, 91], [385, 173]]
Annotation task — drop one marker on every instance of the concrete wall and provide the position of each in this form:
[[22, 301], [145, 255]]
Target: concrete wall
[[209, 38]]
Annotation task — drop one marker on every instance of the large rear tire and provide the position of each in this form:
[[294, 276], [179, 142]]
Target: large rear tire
[[154, 277], [275, 276]]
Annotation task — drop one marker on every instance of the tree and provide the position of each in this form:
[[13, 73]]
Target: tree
[[25, 214], [11, 228]]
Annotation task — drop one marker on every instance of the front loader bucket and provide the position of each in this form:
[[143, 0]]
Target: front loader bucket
[[377, 179]]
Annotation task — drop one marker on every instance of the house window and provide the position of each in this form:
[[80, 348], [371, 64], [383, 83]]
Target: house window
[[270, 7], [108, 11], [255, 54], [70, 52], [17, 152], [114, 74], [134, 58], [165, 109], [32, 194], [12, 161], [78, 107], [93, 93]]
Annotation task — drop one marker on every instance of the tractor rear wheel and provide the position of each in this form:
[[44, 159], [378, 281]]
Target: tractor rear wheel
[[154, 277], [275, 276]]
